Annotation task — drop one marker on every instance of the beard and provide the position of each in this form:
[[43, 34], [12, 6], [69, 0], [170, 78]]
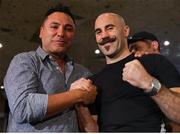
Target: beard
[[116, 49]]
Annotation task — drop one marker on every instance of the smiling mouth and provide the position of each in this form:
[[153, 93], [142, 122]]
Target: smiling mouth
[[60, 42]]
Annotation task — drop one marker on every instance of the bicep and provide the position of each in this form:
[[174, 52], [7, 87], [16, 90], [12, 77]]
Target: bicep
[[166, 72], [20, 80], [21, 85]]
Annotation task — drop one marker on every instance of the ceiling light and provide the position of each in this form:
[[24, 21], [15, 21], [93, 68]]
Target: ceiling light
[[1, 45], [166, 43], [2, 87], [97, 51]]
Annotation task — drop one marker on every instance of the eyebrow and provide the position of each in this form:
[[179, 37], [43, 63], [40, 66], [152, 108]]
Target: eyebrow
[[56, 23], [97, 29], [109, 25]]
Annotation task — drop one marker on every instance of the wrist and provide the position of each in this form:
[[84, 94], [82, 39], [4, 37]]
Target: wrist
[[77, 95], [154, 88], [148, 84]]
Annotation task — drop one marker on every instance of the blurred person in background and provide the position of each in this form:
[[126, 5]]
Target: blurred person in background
[[144, 42]]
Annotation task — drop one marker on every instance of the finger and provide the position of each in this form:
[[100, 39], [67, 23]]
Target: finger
[[125, 68], [133, 51], [91, 88], [80, 84], [128, 63], [89, 80], [123, 77], [136, 54], [135, 61], [140, 54], [85, 87], [124, 74]]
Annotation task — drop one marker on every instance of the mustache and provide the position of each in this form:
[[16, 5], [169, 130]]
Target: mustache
[[107, 40]]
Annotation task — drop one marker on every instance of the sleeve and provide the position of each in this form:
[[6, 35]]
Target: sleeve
[[93, 108], [166, 72], [21, 86]]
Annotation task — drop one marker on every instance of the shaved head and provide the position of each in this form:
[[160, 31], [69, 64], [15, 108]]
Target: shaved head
[[111, 34], [114, 15]]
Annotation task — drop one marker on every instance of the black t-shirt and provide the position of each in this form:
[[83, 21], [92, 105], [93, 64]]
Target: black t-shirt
[[122, 107]]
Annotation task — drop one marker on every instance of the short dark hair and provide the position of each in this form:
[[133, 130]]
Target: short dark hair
[[60, 8]]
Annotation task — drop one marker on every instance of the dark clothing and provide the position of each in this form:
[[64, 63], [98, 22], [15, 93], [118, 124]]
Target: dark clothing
[[122, 107]]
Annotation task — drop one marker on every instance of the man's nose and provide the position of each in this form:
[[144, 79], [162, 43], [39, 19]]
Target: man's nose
[[104, 35], [60, 32]]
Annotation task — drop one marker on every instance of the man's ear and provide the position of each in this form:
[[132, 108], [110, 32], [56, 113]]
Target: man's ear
[[40, 32], [126, 30]]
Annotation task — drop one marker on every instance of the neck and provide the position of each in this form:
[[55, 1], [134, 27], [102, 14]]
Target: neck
[[121, 55], [157, 52]]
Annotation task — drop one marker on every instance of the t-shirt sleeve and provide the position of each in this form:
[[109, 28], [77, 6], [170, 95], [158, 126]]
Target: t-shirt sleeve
[[164, 71], [93, 108]]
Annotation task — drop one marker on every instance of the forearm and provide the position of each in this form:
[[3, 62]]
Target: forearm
[[59, 102], [169, 103], [86, 121], [36, 107]]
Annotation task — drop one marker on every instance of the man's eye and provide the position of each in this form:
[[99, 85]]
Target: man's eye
[[97, 32], [54, 27], [69, 29], [110, 28]]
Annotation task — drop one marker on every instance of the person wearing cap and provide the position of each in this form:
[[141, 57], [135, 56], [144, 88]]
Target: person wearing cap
[[131, 91], [147, 43], [144, 42], [41, 85]]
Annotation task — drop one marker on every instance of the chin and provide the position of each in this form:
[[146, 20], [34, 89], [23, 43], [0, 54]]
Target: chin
[[57, 51], [111, 55]]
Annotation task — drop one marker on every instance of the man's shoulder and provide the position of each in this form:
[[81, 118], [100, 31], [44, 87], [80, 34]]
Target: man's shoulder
[[25, 56], [80, 68], [99, 76], [154, 58]]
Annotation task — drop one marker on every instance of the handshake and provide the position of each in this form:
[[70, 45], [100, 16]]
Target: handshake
[[84, 90]]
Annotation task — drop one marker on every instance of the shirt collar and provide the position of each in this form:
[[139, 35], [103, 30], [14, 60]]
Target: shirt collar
[[69, 60], [44, 54], [41, 53]]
